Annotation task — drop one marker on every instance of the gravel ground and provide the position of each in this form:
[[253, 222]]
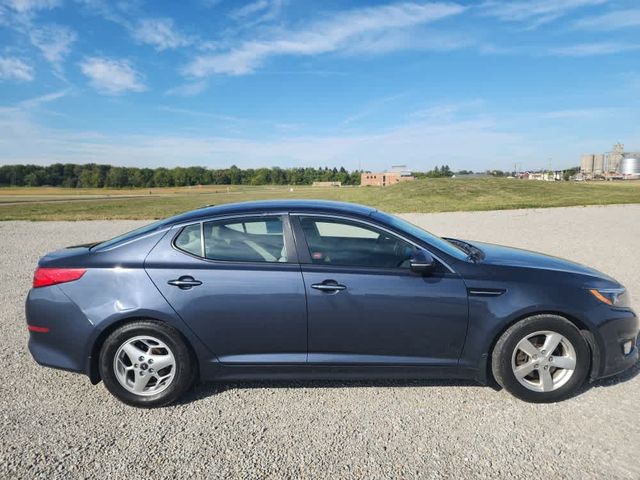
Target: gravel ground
[[56, 424]]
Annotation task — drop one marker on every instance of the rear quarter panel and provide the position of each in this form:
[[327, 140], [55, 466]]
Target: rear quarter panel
[[114, 289]]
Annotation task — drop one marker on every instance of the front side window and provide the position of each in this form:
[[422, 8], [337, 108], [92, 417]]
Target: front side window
[[245, 240], [343, 242]]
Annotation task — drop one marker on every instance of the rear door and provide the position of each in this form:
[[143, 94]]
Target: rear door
[[237, 284], [365, 306]]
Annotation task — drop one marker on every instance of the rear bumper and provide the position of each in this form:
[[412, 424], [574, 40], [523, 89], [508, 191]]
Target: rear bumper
[[67, 331], [612, 336]]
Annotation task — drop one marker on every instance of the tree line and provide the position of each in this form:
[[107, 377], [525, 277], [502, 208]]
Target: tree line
[[91, 175], [108, 176]]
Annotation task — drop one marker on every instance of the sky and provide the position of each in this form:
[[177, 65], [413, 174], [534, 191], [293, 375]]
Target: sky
[[361, 84]]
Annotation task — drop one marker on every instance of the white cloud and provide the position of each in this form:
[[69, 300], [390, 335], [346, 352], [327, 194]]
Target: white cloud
[[159, 32], [487, 142], [340, 33], [581, 113], [420, 144], [250, 8], [54, 41], [12, 68], [188, 89], [25, 6], [536, 12], [117, 12], [591, 49], [257, 12], [47, 98], [112, 76], [409, 39], [610, 21], [210, 3], [447, 111], [371, 108], [198, 113]]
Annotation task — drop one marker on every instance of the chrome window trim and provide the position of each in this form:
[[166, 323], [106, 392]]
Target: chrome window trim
[[181, 226], [202, 249]]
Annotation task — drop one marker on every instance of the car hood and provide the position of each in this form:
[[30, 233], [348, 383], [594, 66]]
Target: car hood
[[515, 257]]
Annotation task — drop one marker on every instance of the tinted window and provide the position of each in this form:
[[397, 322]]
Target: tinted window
[[190, 240], [342, 242], [421, 234], [245, 240]]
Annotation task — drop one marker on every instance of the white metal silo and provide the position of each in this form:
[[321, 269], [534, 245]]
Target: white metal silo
[[630, 166]]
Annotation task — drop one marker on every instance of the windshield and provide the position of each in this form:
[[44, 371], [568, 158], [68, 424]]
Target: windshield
[[415, 231], [129, 235]]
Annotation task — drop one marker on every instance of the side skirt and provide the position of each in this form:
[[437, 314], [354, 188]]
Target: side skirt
[[218, 372]]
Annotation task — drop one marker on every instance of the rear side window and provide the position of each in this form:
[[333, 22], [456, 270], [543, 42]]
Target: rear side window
[[190, 240], [245, 240], [236, 240]]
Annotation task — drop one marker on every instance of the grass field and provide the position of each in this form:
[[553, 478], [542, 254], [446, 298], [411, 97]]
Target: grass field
[[429, 195]]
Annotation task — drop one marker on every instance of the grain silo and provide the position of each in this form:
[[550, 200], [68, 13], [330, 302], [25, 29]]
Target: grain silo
[[598, 164], [614, 157], [586, 164], [630, 165]]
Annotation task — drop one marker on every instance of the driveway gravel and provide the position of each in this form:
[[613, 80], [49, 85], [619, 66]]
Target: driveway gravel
[[55, 424]]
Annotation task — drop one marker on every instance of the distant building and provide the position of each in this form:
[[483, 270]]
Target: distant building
[[397, 174], [593, 164], [327, 184], [606, 165], [542, 176]]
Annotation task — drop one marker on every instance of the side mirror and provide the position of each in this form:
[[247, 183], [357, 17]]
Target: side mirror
[[422, 262]]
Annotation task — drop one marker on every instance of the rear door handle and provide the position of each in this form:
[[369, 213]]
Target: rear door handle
[[185, 282], [329, 286]]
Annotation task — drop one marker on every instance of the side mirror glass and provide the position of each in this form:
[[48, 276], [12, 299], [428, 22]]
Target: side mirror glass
[[422, 262]]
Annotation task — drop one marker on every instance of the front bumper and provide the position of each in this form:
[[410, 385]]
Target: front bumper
[[610, 358]]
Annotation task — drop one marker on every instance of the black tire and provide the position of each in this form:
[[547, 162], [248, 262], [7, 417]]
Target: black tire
[[184, 373], [501, 361]]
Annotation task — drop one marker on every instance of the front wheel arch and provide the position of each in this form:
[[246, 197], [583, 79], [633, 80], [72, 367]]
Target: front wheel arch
[[594, 351]]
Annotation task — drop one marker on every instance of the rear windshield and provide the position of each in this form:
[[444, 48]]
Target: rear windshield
[[125, 237]]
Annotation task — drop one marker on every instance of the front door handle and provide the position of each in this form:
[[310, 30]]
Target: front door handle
[[185, 282], [329, 286]]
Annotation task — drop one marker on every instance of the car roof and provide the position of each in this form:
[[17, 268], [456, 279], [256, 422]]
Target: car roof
[[265, 206]]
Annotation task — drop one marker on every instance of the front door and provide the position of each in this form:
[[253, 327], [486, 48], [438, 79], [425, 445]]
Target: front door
[[365, 306], [237, 284]]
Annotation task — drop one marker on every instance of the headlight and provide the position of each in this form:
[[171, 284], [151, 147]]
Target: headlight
[[616, 297]]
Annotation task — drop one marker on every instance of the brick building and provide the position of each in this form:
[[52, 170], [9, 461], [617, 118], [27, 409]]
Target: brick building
[[397, 174]]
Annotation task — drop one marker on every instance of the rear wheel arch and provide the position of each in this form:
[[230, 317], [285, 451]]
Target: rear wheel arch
[[94, 355]]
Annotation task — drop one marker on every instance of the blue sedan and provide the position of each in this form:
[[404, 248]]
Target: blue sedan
[[313, 289]]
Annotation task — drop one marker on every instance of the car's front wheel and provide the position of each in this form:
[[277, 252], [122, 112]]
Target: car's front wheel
[[543, 358], [146, 364]]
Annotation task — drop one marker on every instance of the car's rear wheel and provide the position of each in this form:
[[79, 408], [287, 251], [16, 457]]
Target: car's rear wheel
[[146, 364], [543, 358]]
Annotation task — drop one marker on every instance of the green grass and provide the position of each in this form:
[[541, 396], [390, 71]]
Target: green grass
[[430, 195]]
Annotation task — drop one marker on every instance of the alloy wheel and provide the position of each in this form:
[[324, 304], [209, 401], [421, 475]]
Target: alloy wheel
[[543, 361], [144, 365]]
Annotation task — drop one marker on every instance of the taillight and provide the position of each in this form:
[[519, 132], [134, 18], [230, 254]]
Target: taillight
[[44, 277]]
